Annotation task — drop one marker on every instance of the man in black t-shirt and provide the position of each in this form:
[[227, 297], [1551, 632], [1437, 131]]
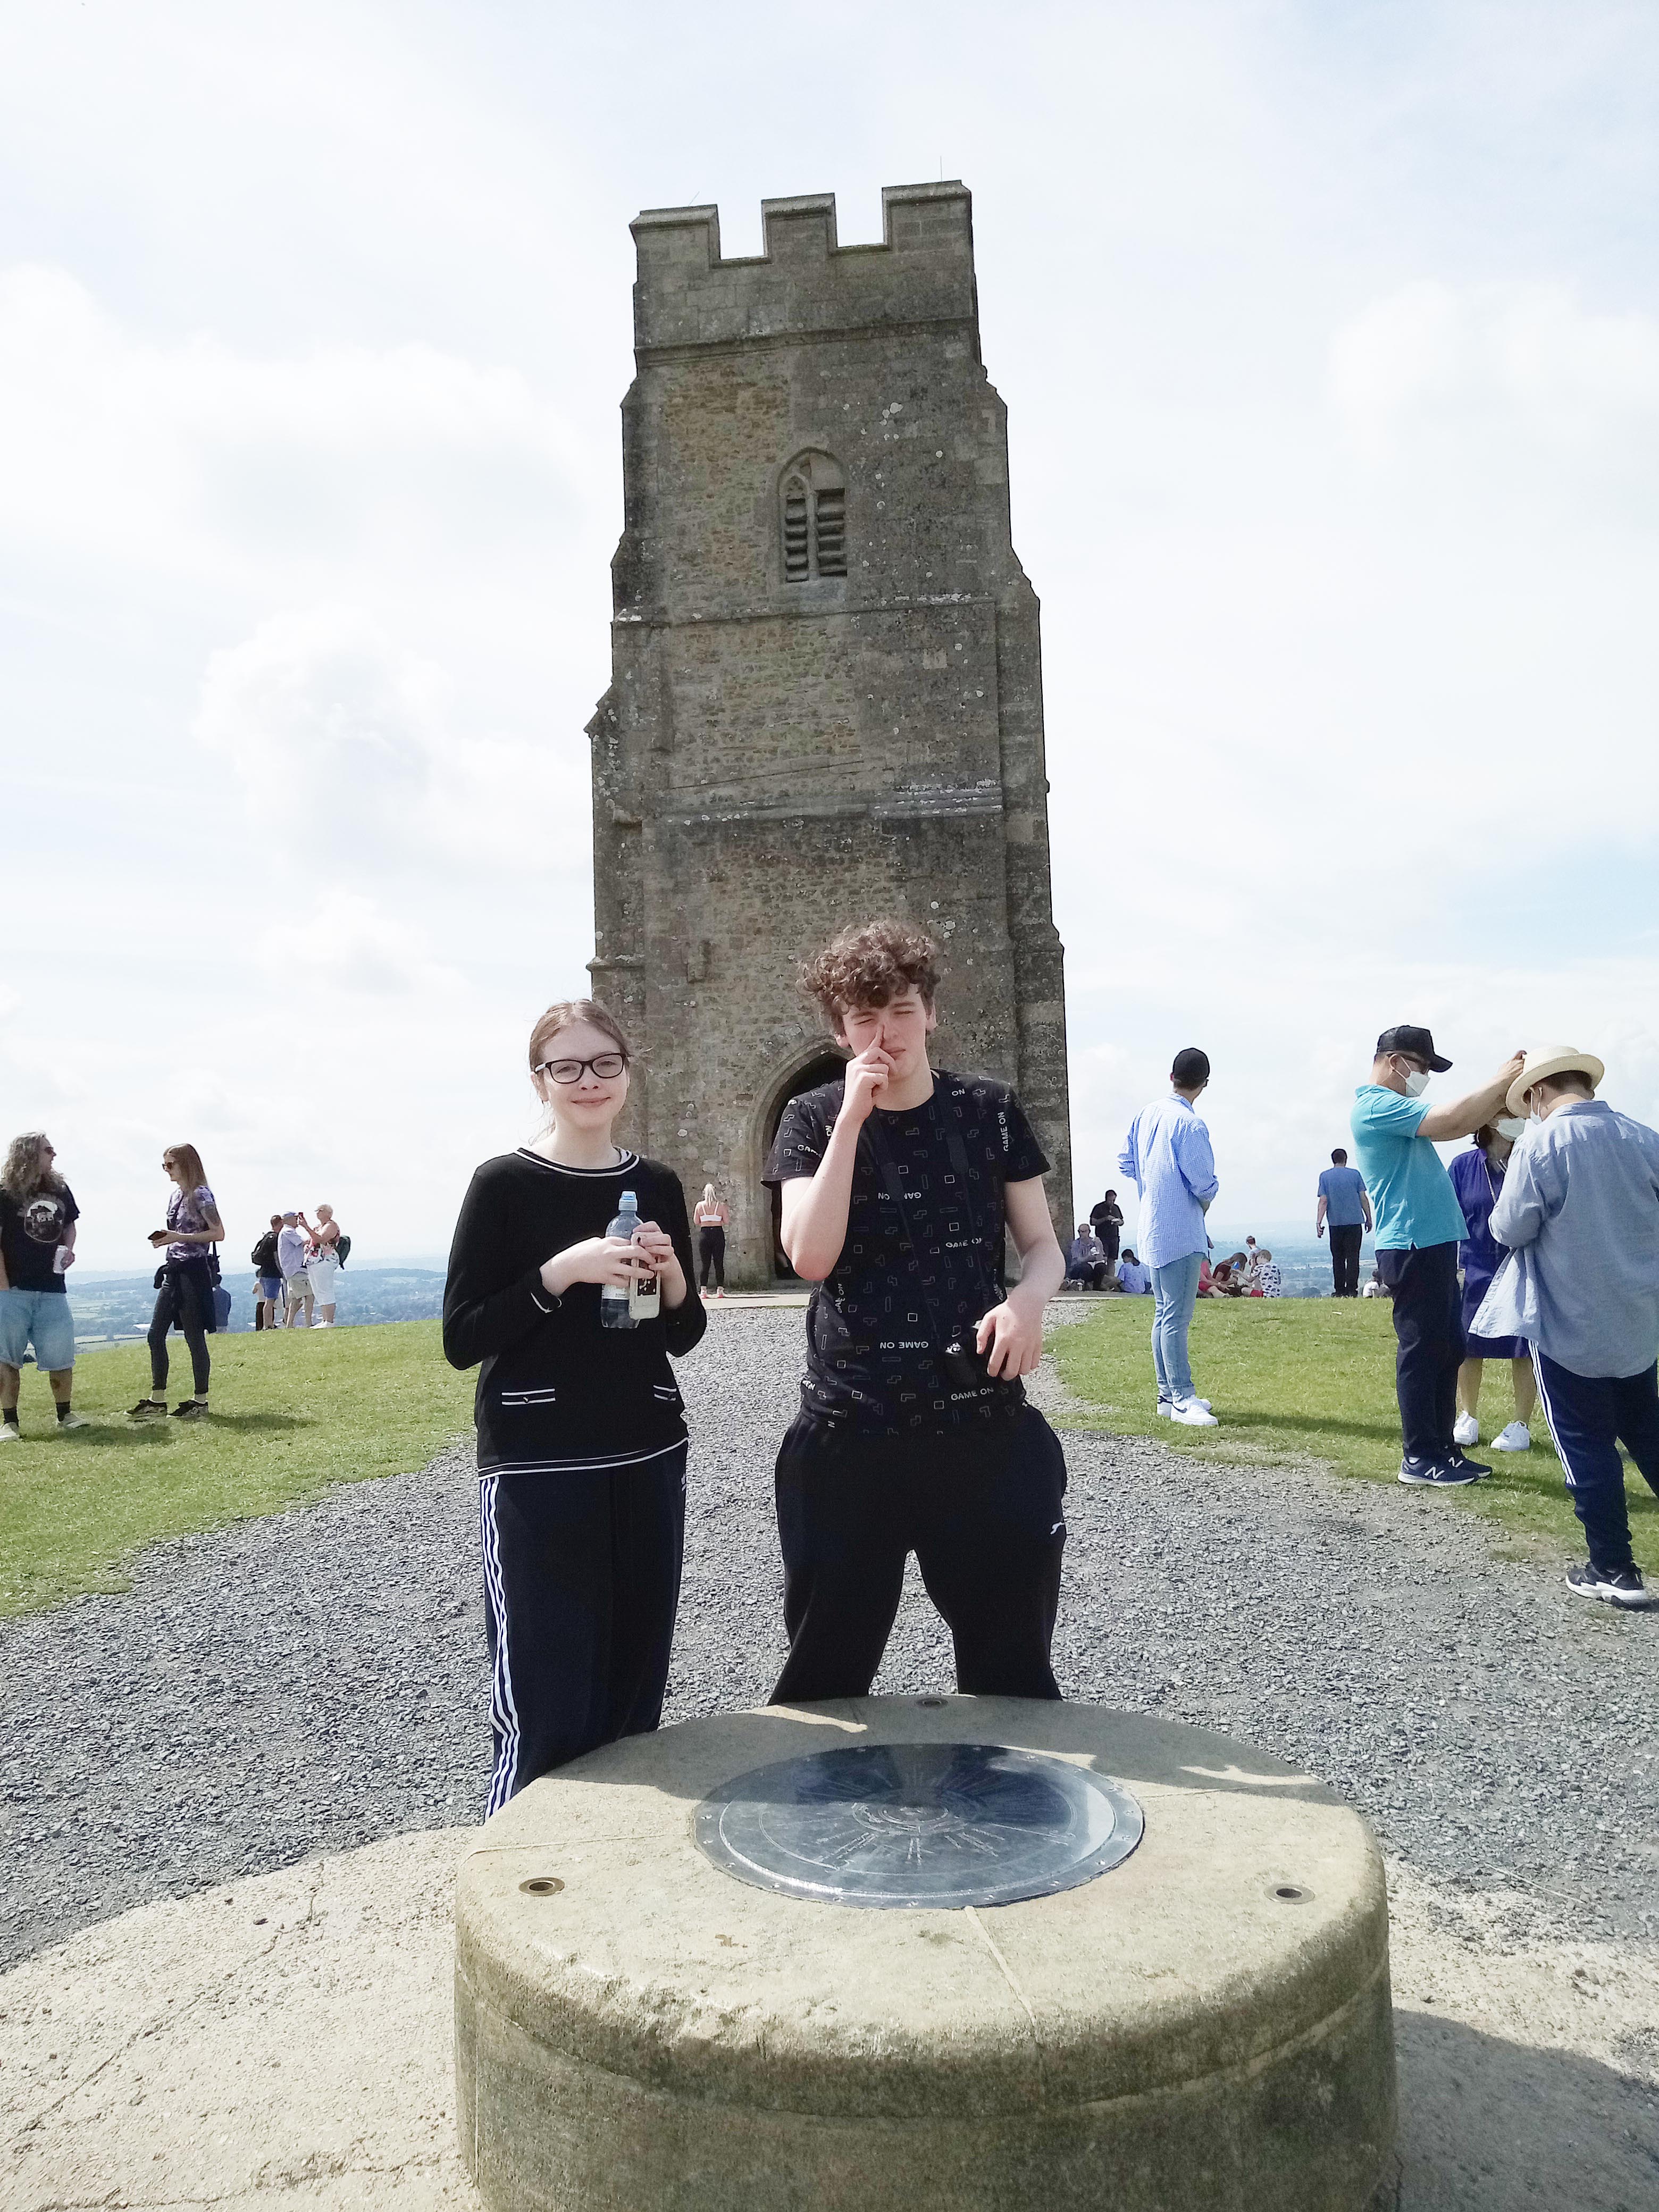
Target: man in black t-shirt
[[915, 1433], [37, 1214]]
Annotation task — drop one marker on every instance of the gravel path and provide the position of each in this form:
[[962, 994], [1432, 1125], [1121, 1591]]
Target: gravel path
[[313, 1682]]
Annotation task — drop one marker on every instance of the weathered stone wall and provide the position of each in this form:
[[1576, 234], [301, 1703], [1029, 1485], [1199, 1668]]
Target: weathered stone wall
[[776, 757]]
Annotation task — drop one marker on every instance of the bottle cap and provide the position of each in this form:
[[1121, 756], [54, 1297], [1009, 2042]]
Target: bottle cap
[[628, 1198]]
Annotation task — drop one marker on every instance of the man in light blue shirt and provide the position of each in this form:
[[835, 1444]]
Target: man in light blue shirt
[[1579, 1210], [1134, 1277], [1419, 1225], [1167, 1156]]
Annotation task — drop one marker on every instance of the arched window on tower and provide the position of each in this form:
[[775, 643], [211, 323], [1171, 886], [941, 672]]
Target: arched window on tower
[[812, 516]]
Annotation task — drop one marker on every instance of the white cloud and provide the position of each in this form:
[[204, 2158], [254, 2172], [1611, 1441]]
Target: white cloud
[[195, 459], [341, 940], [342, 740], [1512, 380]]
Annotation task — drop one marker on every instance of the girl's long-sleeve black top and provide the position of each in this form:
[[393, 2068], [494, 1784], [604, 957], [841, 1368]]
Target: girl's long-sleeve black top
[[557, 1392]]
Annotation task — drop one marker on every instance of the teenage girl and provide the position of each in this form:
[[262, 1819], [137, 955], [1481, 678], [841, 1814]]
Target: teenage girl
[[711, 1217], [582, 1438], [184, 1288]]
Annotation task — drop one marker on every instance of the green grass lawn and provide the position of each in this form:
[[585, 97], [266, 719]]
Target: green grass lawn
[[1293, 1378], [294, 1413]]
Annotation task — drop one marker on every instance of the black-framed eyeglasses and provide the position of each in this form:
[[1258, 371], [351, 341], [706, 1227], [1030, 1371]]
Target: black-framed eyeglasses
[[605, 1067]]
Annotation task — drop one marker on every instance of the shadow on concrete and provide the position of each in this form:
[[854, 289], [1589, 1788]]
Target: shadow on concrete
[[1487, 2125]]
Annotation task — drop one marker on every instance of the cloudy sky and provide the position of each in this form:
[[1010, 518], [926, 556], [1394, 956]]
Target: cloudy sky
[[1331, 345]]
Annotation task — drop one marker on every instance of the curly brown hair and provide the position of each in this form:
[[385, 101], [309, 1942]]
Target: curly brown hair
[[869, 964]]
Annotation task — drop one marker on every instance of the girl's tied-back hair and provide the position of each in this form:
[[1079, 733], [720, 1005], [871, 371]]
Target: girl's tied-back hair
[[565, 1013], [25, 1174], [190, 1160]]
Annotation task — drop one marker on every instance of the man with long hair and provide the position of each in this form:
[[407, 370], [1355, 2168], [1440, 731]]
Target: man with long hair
[[38, 1215]]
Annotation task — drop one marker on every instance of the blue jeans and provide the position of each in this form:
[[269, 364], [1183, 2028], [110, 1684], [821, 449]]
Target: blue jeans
[[1175, 1293]]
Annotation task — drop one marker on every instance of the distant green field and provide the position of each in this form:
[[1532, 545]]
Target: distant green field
[[1313, 1378], [296, 1411]]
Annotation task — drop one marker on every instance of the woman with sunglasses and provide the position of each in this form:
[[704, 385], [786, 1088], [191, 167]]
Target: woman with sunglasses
[[582, 1436]]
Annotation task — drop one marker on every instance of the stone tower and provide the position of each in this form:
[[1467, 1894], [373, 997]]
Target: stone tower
[[826, 701]]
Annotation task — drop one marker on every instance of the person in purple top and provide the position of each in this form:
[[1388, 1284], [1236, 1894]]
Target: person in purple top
[[1477, 1177], [183, 1285]]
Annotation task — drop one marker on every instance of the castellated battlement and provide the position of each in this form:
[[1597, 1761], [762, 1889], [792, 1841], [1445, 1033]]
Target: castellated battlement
[[806, 284]]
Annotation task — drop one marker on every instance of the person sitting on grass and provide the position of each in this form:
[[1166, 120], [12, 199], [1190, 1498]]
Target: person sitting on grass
[[1133, 1276], [1269, 1283], [185, 1286], [1579, 1215], [1086, 1260], [37, 1214]]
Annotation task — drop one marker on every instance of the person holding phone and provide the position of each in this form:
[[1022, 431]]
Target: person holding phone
[[914, 1433], [581, 1434], [184, 1286]]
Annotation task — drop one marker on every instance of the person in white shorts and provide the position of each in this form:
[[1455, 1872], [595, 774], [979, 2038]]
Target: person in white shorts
[[323, 1262]]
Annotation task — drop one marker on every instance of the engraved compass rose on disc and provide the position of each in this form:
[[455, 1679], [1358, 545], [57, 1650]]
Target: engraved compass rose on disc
[[941, 1825]]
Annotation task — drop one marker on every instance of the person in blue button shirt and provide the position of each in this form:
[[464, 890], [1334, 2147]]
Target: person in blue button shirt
[[1346, 1210], [1419, 1226]]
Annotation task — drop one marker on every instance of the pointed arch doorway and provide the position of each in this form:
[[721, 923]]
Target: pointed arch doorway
[[825, 1067]]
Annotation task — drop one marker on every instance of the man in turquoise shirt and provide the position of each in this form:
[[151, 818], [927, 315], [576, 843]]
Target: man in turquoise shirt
[[1419, 1225]]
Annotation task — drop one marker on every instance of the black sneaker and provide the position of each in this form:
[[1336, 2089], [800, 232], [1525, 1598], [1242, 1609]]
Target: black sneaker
[[189, 1410], [1439, 1474], [147, 1409], [1619, 1586]]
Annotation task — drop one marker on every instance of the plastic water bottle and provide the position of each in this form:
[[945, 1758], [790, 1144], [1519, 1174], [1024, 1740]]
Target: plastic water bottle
[[616, 1309], [644, 1293]]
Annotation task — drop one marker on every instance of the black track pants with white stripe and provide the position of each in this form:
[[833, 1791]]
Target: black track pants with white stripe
[[581, 1575], [1590, 1416]]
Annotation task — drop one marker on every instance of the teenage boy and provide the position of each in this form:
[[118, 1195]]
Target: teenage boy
[[1579, 1210], [914, 1433], [1167, 1157], [1419, 1226]]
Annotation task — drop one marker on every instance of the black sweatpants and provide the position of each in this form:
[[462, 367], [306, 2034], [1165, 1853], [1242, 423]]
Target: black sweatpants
[[1345, 1239], [582, 1575], [711, 1253], [1590, 1416], [980, 1509], [1428, 1326]]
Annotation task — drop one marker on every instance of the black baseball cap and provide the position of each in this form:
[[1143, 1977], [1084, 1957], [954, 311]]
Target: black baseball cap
[[1405, 1037]]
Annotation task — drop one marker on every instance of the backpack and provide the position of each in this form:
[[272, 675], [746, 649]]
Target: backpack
[[343, 1250]]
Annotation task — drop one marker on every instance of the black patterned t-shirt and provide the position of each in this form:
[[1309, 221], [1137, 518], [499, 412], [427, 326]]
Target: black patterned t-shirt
[[906, 1282]]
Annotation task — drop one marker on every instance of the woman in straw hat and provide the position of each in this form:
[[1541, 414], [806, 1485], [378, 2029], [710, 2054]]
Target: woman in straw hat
[[1579, 1215]]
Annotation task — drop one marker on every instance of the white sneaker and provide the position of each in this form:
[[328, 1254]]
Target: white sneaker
[[1516, 1437], [75, 1421], [1166, 1406], [9, 1434], [1466, 1430], [1193, 1414]]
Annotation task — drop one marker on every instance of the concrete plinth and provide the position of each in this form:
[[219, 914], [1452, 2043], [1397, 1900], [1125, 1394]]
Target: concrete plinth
[[1206, 2025]]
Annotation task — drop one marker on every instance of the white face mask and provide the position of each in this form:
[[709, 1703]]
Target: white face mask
[[1510, 1126], [1417, 1082]]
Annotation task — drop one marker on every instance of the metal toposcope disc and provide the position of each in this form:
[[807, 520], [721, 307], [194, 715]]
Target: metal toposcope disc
[[944, 1824]]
